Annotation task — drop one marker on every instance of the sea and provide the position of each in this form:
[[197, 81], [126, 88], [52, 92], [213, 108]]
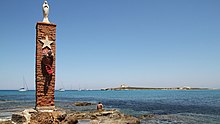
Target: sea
[[152, 106]]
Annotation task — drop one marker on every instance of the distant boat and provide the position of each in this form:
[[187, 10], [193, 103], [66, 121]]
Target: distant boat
[[25, 87], [79, 89], [61, 89], [22, 89]]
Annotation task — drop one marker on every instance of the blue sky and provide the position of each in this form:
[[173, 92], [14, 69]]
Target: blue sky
[[104, 43]]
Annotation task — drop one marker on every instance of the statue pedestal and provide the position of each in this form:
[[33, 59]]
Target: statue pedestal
[[45, 108], [45, 65]]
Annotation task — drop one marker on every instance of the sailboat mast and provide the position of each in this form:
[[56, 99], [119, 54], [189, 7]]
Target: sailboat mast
[[24, 83]]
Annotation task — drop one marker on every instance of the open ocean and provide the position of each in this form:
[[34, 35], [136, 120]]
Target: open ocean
[[168, 106]]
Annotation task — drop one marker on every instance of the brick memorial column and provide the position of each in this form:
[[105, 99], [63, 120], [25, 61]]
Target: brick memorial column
[[45, 62]]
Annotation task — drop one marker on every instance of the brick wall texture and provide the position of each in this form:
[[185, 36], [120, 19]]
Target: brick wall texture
[[44, 90]]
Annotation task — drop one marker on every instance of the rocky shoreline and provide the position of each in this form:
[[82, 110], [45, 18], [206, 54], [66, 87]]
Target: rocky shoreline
[[32, 116], [61, 116]]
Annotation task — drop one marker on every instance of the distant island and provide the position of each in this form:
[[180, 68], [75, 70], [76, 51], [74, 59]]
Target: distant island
[[125, 87]]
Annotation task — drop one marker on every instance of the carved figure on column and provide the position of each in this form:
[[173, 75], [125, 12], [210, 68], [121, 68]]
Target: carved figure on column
[[46, 68], [47, 62], [46, 11]]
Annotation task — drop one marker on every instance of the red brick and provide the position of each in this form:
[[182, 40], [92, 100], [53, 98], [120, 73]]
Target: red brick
[[42, 99]]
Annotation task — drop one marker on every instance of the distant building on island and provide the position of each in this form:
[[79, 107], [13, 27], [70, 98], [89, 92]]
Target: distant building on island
[[124, 86], [184, 88]]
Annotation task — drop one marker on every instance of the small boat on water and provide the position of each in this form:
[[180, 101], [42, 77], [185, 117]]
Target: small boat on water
[[25, 87], [22, 89], [61, 89]]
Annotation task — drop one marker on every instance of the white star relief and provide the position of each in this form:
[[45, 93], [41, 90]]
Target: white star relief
[[46, 43]]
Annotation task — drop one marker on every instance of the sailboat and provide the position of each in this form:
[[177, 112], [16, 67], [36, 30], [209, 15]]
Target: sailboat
[[25, 87], [79, 88], [62, 89]]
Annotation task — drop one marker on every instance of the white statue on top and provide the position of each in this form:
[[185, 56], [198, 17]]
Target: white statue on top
[[46, 12]]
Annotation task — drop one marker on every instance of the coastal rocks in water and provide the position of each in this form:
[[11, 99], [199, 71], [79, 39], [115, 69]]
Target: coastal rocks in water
[[18, 118], [69, 120], [83, 104], [59, 117], [148, 116], [31, 116], [106, 117], [22, 117], [55, 117]]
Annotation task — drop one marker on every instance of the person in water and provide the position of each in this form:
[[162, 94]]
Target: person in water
[[99, 106]]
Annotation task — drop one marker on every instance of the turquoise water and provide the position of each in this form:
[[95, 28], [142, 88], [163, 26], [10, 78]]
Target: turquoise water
[[168, 106]]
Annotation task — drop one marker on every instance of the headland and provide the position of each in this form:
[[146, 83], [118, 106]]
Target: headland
[[125, 87]]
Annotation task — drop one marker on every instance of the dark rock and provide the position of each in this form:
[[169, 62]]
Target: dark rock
[[70, 120], [148, 116], [106, 113], [61, 117], [83, 104], [18, 118]]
